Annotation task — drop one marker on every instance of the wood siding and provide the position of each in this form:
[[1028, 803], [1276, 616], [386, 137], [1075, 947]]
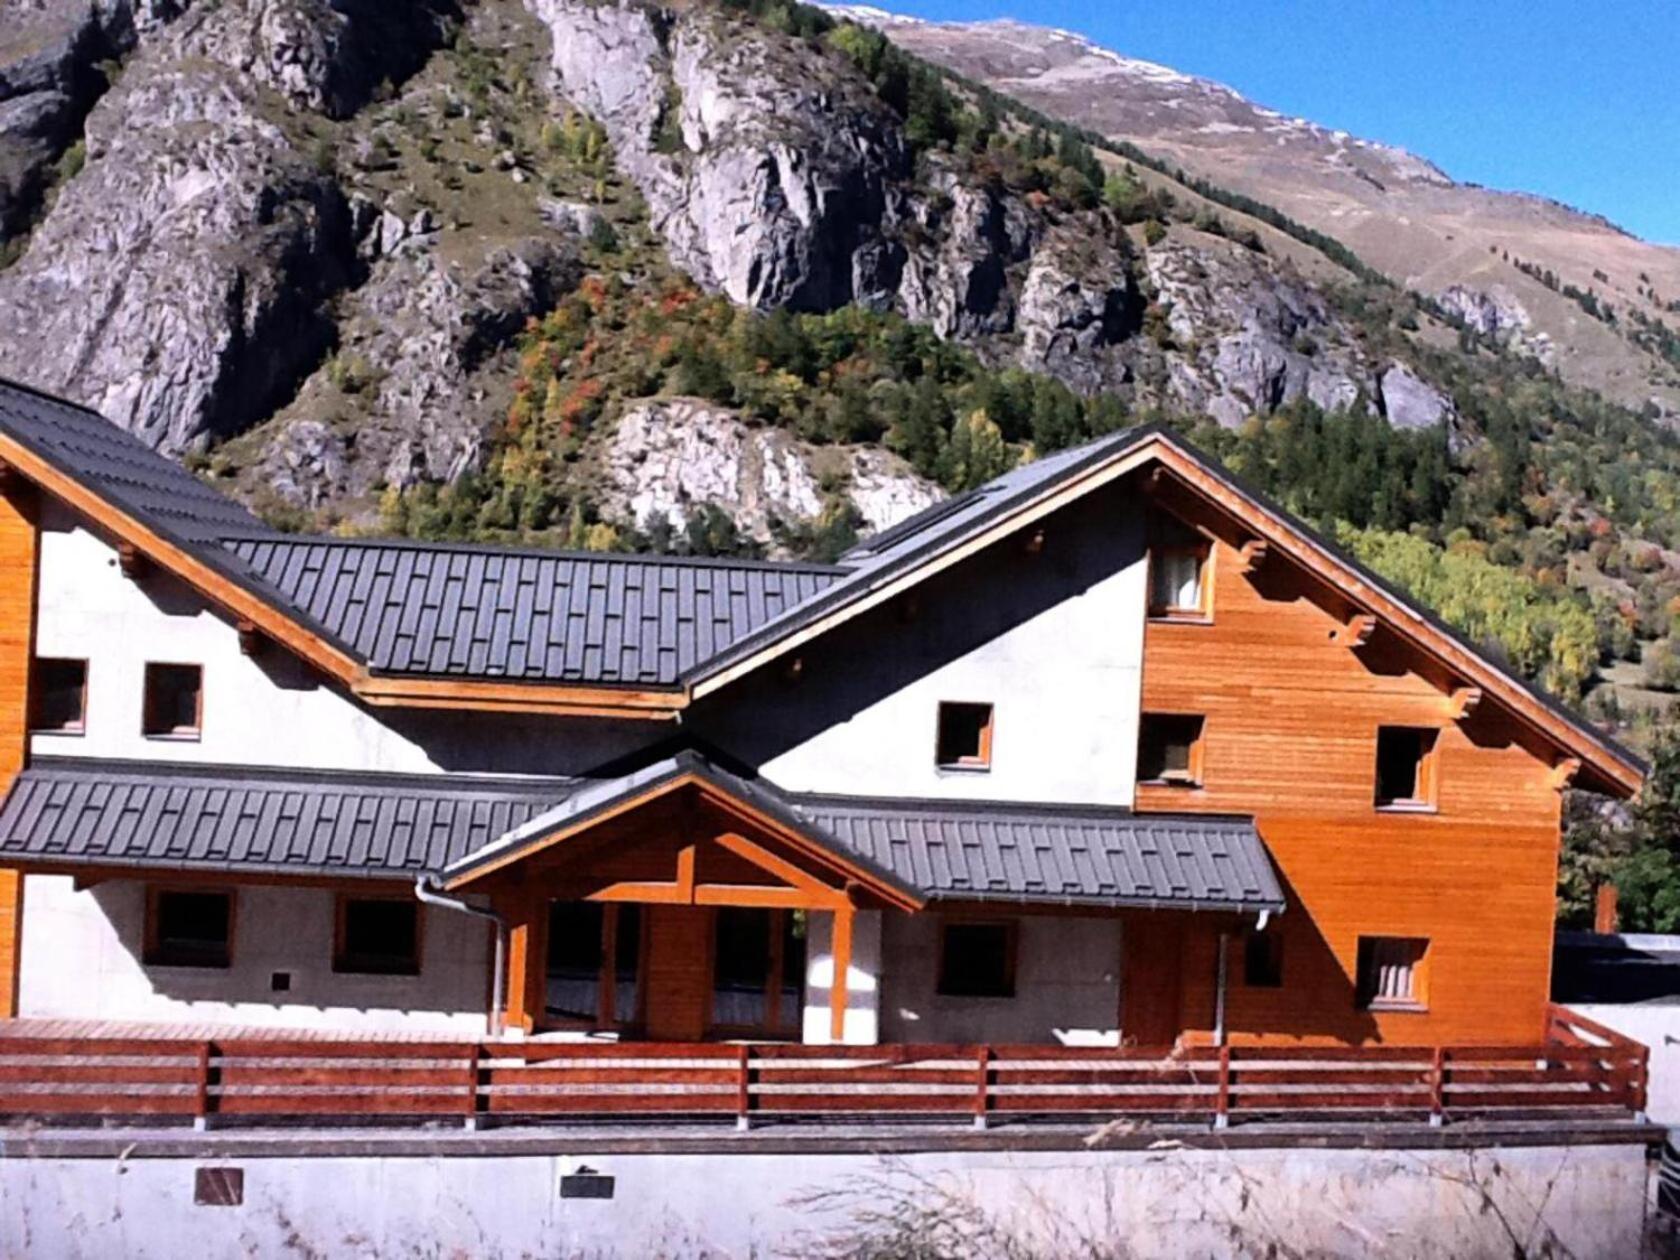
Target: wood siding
[[1292, 712], [18, 548]]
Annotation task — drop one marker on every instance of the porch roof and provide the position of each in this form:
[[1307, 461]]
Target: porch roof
[[1057, 854], [258, 820]]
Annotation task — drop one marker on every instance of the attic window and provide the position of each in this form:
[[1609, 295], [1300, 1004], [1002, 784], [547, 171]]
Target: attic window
[[173, 702], [965, 736], [1405, 767], [1178, 557], [1170, 749]]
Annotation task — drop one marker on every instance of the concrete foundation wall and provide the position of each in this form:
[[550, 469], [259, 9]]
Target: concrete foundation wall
[[1585, 1202], [81, 958], [270, 710], [1066, 985]]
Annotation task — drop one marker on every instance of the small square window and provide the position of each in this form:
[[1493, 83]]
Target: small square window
[[1170, 749], [1177, 570], [965, 736], [1391, 973], [1263, 958], [188, 928], [977, 960], [1405, 767], [174, 701], [58, 696], [378, 936]]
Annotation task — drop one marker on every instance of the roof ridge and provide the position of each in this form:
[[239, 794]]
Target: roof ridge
[[449, 781], [544, 553], [998, 806]]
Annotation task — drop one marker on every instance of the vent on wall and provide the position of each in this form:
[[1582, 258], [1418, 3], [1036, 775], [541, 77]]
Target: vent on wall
[[218, 1187], [586, 1183]]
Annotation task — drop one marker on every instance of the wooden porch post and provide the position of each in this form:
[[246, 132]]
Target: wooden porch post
[[525, 966], [842, 965]]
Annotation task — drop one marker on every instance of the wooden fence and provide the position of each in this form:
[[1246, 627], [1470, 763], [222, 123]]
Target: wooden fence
[[1583, 1070]]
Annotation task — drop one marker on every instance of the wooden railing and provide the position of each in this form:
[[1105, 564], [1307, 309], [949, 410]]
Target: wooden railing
[[1585, 1070]]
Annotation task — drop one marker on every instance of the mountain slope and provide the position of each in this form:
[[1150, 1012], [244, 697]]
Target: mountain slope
[[1395, 210]]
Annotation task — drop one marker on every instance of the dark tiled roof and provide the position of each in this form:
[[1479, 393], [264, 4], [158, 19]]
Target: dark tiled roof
[[233, 818], [1054, 853], [120, 467], [413, 608]]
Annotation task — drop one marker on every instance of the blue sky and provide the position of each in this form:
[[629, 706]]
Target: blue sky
[[1569, 98]]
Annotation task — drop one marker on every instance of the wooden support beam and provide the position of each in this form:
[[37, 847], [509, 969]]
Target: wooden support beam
[[1356, 632], [525, 963], [251, 639], [1252, 555], [131, 561], [1564, 772], [909, 607], [1463, 702], [1034, 544], [794, 669], [842, 966]]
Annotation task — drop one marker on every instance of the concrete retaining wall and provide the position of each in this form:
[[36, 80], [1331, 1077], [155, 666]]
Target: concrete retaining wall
[[1581, 1201]]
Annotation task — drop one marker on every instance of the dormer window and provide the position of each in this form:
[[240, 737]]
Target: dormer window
[[1178, 565]]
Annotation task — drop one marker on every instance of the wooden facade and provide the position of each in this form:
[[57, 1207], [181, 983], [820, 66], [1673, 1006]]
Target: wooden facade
[[19, 545], [1293, 689]]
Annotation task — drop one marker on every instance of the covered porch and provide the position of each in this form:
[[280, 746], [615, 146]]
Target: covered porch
[[684, 903]]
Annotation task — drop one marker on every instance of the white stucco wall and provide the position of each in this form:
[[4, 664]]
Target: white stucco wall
[[1067, 987], [270, 710], [1053, 641], [81, 959]]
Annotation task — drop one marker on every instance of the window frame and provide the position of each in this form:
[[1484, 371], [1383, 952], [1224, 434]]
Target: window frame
[[1426, 786], [35, 691], [153, 953], [192, 734], [979, 764], [1011, 929], [1366, 962], [342, 960], [1192, 779], [1202, 549]]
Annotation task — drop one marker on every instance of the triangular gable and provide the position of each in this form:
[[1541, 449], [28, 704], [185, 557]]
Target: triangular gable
[[764, 832], [988, 519]]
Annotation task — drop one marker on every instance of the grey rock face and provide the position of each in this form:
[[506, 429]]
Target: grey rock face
[[669, 456], [178, 283], [1077, 302], [1409, 403], [417, 338], [1496, 313], [1248, 339], [767, 176], [49, 79]]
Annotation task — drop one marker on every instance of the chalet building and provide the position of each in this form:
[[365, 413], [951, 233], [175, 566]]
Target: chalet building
[[1108, 751]]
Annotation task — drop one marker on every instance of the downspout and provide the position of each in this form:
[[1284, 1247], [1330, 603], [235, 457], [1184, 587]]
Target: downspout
[[426, 888], [1219, 994]]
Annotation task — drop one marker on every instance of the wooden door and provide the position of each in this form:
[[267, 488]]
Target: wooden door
[[1152, 980], [679, 972]]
